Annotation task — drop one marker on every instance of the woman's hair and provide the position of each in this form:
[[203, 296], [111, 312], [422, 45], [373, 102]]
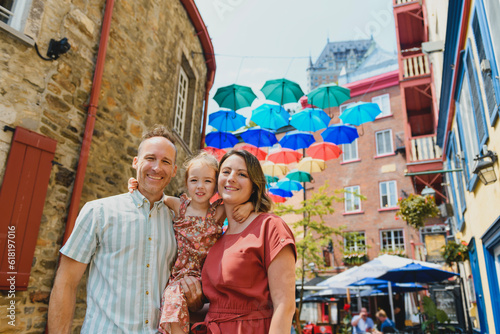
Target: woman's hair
[[259, 197], [381, 313], [205, 159]]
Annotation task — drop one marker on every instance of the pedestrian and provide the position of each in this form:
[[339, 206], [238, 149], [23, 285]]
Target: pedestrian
[[361, 323], [387, 325], [128, 243], [249, 274]]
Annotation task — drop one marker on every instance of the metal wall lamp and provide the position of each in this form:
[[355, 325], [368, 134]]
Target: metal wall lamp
[[484, 166]]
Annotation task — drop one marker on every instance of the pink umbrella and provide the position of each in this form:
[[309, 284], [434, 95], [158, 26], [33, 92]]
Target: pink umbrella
[[259, 154], [285, 156], [216, 152], [324, 151]]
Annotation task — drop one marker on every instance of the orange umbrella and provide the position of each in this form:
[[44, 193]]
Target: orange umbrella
[[260, 154], [285, 156], [216, 152], [324, 151]]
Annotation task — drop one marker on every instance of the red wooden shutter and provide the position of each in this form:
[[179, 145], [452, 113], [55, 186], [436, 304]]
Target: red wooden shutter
[[22, 199]]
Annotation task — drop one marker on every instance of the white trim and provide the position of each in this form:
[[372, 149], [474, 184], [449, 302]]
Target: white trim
[[26, 39], [389, 194], [349, 196], [353, 145], [384, 152], [392, 245], [182, 101], [384, 103]]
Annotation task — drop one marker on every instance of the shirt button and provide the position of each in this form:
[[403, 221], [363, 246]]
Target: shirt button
[[149, 238], [282, 240], [149, 216], [147, 292], [147, 322], [147, 265]]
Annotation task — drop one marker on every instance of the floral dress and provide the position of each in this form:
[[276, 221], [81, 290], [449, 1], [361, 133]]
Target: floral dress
[[195, 236]]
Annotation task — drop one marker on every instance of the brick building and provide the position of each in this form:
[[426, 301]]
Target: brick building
[[69, 128]]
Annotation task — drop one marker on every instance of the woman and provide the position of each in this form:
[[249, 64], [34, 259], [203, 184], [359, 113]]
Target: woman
[[249, 274]]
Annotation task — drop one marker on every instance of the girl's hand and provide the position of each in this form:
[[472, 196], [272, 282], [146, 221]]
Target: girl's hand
[[242, 211], [132, 185]]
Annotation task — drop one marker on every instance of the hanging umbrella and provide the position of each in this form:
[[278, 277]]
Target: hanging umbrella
[[311, 165], [270, 116], [297, 139], [329, 95], [216, 152], [290, 185], [284, 156], [272, 169], [360, 113], [234, 97], [226, 120], [259, 137], [259, 154], [415, 272], [220, 139], [282, 91], [340, 134], [299, 176], [276, 198], [324, 151], [280, 192], [310, 120], [271, 179]]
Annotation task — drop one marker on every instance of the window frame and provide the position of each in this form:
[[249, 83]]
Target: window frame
[[391, 151], [387, 183], [181, 102], [393, 245], [355, 246], [350, 193], [17, 22], [353, 144], [382, 114], [456, 181]]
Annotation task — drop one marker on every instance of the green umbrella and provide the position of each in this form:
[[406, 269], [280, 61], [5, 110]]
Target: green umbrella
[[300, 176], [282, 91], [234, 97], [328, 95], [271, 179]]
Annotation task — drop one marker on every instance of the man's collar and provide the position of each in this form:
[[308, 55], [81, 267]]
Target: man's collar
[[139, 199]]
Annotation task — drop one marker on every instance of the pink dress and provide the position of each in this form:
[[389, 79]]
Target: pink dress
[[235, 279], [195, 236]]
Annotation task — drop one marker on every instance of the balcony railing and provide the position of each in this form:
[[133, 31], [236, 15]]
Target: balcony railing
[[415, 65], [425, 148], [402, 2]]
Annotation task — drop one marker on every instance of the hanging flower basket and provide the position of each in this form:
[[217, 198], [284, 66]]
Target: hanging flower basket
[[416, 209], [455, 252], [354, 258], [397, 252]]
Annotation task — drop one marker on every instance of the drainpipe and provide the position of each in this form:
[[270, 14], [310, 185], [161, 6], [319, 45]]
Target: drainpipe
[[89, 127]]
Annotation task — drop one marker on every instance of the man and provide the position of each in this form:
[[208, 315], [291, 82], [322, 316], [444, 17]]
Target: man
[[128, 242], [361, 323], [387, 325]]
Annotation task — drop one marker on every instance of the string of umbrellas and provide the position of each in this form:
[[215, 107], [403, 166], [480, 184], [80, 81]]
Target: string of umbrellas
[[271, 116]]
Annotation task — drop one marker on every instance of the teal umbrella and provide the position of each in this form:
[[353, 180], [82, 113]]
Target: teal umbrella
[[271, 179], [270, 116], [298, 175], [360, 113], [282, 91], [329, 95], [234, 97]]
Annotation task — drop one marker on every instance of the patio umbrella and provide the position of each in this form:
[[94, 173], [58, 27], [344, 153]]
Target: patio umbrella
[[259, 154], [329, 95], [284, 156], [270, 116], [282, 91], [277, 199], [220, 139], [360, 113], [226, 120], [280, 192], [271, 169], [216, 152], [368, 281], [415, 272], [324, 151], [340, 134], [310, 120], [311, 165], [290, 185], [297, 139], [234, 97], [299, 176], [259, 137], [271, 179]]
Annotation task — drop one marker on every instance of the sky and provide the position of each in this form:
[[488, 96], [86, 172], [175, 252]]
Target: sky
[[256, 40]]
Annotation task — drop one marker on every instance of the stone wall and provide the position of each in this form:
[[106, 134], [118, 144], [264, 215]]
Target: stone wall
[[149, 40]]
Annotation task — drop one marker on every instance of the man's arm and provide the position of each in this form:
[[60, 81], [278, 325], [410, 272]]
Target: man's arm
[[63, 296], [355, 320]]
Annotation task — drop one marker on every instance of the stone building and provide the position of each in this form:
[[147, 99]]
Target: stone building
[[158, 68]]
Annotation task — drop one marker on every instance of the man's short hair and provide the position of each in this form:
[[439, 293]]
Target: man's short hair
[[158, 131]]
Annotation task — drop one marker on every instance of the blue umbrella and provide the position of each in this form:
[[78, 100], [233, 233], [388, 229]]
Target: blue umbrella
[[290, 185], [270, 116], [361, 112], [226, 120], [400, 287], [340, 134], [415, 272], [220, 139], [368, 281], [310, 119], [280, 192], [259, 137], [296, 140]]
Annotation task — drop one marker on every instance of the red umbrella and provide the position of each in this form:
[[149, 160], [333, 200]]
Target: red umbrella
[[324, 151], [216, 152], [285, 156], [260, 154], [276, 198], [215, 197]]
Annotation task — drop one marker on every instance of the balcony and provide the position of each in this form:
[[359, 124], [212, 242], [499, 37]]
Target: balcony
[[414, 66], [404, 2], [424, 148]]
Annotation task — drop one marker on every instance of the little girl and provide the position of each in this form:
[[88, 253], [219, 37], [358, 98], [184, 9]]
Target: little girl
[[197, 226]]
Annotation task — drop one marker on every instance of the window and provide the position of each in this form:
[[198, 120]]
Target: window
[[350, 151], [182, 96], [392, 240], [456, 181], [384, 142], [388, 194], [14, 13], [351, 199], [354, 242], [384, 104]]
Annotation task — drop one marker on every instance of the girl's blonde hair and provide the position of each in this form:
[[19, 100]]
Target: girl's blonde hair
[[205, 159]]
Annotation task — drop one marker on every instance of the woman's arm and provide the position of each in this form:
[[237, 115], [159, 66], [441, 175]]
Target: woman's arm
[[281, 273]]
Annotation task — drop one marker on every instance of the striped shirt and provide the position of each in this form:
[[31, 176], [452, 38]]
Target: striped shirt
[[130, 249]]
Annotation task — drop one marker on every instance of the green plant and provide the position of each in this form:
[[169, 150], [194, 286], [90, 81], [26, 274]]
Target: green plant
[[434, 317], [416, 209], [354, 258], [455, 252], [346, 327]]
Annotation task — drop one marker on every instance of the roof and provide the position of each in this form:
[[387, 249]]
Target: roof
[[340, 47]]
